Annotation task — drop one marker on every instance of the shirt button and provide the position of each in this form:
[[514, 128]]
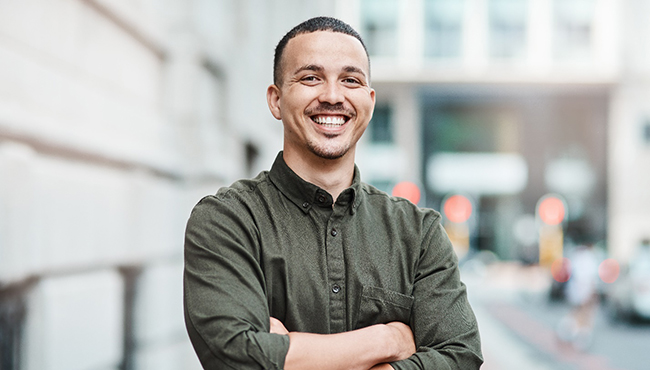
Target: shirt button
[[321, 198], [336, 288], [334, 232], [305, 205]]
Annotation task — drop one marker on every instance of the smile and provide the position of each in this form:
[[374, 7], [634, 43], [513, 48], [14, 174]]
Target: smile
[[330, 121]]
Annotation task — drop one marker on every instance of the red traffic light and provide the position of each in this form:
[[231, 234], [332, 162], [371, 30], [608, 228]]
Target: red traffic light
[[457, 208], [407, 190], [551, 210]]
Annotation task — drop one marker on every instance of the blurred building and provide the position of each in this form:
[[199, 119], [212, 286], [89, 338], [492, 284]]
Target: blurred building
[[116, 116], [506, 101]]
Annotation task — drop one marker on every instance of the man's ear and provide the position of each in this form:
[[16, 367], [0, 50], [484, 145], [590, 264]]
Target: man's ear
[[374, 102], [273, 99]]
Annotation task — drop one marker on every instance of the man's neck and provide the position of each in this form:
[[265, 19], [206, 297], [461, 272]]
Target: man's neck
[[332, 175]]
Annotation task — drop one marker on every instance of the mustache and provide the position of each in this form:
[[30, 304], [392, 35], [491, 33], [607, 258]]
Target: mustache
[[325, 108]]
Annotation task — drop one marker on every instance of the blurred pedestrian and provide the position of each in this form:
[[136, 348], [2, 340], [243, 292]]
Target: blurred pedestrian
[[582, 294], [305, 266]]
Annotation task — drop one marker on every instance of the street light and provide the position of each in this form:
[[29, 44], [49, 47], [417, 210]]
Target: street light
[[457, 210], [551, 213]]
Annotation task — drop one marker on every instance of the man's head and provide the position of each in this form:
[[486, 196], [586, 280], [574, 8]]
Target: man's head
[[308, 26], [323, 94]]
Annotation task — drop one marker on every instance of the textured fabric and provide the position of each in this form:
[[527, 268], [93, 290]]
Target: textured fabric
[[277, 246]]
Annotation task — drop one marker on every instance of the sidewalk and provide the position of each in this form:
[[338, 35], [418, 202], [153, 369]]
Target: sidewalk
[[502, 348], [512, 337]]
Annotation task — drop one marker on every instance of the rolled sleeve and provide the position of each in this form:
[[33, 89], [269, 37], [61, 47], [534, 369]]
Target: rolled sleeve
[[226, 312], [443, 323]]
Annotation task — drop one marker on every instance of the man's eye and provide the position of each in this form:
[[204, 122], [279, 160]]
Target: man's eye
[[309, 78], [351, 80]]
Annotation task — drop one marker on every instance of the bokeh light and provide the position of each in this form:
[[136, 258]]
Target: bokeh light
[[609, 270], [407, 190], [561, 270], [551, 211], [458, 208]]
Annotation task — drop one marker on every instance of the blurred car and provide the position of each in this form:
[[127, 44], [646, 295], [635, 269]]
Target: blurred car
[[628, 298]]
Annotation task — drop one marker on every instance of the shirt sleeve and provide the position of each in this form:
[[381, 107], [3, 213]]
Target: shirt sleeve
[[443, 323], [226, 312]]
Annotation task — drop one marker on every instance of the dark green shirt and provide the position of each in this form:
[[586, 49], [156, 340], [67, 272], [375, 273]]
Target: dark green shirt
[[277, 246]]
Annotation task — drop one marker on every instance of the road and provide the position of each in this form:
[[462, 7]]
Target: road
[[518, 322]]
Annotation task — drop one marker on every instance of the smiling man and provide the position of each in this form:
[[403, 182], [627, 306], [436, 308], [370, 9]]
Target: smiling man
[[307, 267], [322, 95]]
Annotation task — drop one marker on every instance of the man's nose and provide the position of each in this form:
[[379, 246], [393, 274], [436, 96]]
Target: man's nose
[[332, 93]]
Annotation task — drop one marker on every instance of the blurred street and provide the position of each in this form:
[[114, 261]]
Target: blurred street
[[518, 321]]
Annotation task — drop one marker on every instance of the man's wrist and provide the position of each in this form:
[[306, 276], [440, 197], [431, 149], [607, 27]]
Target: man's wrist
[[401, 344]]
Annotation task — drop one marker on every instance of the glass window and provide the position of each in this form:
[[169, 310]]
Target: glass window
[[443, 28], [470, 128], [381, 125], [379, 26], [507, 28], [573, 28]]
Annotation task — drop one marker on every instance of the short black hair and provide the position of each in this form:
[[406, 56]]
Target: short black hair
[[309, 26]]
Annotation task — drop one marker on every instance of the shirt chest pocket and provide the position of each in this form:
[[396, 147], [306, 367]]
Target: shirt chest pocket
[[381, 306]]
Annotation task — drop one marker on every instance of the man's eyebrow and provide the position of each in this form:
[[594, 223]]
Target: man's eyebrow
[[353, 69], [319, 68], [309, 67]]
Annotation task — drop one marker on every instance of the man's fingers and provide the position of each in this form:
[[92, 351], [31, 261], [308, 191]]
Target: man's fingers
[[277, 327]]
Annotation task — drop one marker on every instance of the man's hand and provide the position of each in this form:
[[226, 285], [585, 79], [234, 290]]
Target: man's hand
[[404, 343], [277, 327], [370, 348]]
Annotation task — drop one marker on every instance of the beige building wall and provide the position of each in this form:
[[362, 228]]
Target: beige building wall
[[116, 117]]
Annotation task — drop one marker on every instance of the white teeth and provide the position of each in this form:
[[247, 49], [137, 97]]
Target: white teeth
[[329, 120]]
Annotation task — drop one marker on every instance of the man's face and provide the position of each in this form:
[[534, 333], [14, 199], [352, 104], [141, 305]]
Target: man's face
[[324, 101]]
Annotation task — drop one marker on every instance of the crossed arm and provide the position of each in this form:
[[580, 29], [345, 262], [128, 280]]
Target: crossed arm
[[367, 348], [227, 316]]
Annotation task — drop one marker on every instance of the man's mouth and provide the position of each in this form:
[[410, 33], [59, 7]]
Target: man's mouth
[[330, 121]]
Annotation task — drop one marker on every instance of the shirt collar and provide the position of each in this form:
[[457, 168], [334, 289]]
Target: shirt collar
[[305, 194]]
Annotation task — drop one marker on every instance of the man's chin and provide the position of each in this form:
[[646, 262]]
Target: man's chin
[[329, 153]]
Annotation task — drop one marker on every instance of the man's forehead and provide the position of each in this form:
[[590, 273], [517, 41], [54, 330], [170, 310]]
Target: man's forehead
[[327, 35], [310, 48]]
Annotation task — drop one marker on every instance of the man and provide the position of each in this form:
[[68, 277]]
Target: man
[[305, 266]]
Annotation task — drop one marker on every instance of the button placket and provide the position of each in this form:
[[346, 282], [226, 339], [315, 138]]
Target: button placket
[[336, 274]]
